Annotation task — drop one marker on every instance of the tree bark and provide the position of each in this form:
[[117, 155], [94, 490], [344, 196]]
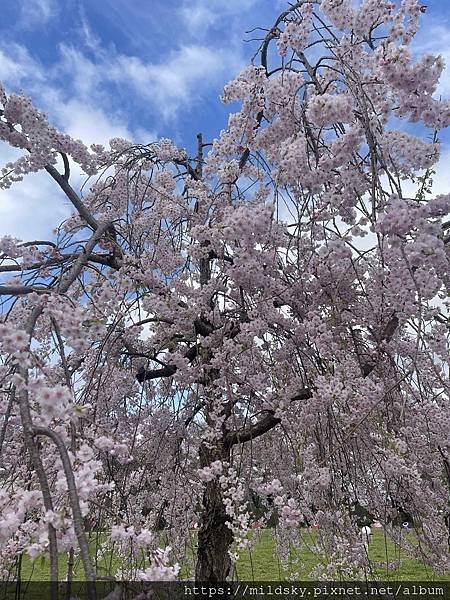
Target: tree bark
[[214, 536]]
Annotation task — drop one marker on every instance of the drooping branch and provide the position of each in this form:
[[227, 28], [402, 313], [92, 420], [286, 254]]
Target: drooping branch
[[146, 374], [33, 449], [74, 501], [202, 327]]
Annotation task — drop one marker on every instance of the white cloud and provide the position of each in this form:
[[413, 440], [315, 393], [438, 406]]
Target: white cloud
[[82, 121], [77, 92], [37, 12], [90, 124], [167, 85], [174, 83], [16, 66], [441, 181], [84, 75], [81, 108], [32, 208], [199, 15]]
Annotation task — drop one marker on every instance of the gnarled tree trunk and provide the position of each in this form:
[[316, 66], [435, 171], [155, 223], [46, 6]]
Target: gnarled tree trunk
[[214, 536]]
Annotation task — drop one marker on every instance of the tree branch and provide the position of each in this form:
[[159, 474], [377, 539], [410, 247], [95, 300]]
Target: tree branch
[[167, 371], [270, 421], [20, 290], [73, 497], [72, 195], [263, 425]]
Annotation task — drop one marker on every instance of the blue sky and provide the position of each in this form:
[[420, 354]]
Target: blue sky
[[139, 69]]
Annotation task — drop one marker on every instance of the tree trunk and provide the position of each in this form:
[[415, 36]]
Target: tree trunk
[[214, 537]]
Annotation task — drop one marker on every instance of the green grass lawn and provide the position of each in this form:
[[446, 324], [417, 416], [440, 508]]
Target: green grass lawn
[[261, 562]]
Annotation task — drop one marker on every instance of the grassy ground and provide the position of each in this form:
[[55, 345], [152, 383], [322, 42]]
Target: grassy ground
[[262, 564]]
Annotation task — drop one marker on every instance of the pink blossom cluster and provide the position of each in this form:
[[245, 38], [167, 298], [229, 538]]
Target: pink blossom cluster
[[121, 450], [290, 514], [412, 85], [327, 109], [36, 135], [340, 13], [273, 488], [12, 339], [9, 247], [122, 533], [405, 23], [370, 14], [408, 152], [52, 402], [161, 569], [236, 508], [296, 33], [214, 470]]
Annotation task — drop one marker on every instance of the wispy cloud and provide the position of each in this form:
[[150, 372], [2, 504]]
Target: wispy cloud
[[167, 85], [114, 69], [37, 12], [200, 15], [17, 66], [183, 78], [79, 106]]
